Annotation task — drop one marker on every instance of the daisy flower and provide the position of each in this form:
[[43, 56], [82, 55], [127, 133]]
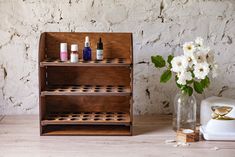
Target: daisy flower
[[179, 64], [200, 57], [183, 77], [201, 70], [188, 48], [191, 60]]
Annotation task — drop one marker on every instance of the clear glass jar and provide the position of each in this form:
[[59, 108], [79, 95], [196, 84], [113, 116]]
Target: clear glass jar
[[184, 115]]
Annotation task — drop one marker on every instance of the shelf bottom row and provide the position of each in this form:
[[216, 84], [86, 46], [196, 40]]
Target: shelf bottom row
[[96, 130], [105, 118]]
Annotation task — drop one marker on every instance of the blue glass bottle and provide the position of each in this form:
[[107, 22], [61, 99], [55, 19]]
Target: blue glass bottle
[[87, 50]]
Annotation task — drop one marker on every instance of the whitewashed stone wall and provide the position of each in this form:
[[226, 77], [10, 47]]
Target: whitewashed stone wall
[[158, 26]]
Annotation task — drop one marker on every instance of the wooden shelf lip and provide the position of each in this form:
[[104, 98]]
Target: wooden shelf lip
[[88, 118], [98, 130], [96, 90], [105, 62]]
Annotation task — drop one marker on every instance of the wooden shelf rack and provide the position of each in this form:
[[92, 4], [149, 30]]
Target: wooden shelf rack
[[88, 97]]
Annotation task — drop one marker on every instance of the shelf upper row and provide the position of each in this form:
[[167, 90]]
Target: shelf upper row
[[88, 90], [105, 62], [115, 45]]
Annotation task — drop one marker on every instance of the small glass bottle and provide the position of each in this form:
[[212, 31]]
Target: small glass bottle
[[99, 51], [63, 52], [74, 53], [87, 50]]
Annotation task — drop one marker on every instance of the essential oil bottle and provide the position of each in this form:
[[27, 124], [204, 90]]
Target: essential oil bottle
[[63, 52], [74, 53], [99, 50], [87, 50]]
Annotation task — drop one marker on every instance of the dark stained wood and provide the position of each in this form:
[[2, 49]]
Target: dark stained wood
[[97, 130], [42, 77], [87, 104], [87, 118], [106, 62], [89, 90], [109, 83], [116, 45], [89, 75]]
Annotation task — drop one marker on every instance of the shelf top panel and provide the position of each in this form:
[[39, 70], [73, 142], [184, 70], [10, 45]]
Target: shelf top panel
[[88, 118], [105, 62], [95, 90], [115, 45]]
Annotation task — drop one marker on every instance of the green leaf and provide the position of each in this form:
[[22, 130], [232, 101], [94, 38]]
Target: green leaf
[[166, 76], [198, 87], [205, 82], [189, 90], [169, 59], [189, 82], [158, 61]]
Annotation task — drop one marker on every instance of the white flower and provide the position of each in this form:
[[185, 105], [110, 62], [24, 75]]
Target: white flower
[[210, 57], [201, 70], [214, 68], [179, 64], [183, 77], [199, 42], [188, 48], [200, 57], [191, 60]]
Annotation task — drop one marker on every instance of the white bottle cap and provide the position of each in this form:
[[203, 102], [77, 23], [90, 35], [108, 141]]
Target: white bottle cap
[[74, 47], [63, 47], [87, 42]]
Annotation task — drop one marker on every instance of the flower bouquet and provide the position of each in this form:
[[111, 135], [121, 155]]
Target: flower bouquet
[[192, 69]]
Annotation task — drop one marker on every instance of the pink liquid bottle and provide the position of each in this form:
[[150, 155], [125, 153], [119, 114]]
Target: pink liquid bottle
[[63, 52]]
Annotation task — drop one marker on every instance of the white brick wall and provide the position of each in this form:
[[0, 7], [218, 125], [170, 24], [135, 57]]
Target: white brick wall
[[158, 26]]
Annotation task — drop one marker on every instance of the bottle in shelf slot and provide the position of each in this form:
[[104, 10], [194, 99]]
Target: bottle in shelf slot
[[87, 50], [99, 50], [74, 53], [63, 52]]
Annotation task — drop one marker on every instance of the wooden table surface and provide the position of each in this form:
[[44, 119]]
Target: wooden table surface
[[19, 136]]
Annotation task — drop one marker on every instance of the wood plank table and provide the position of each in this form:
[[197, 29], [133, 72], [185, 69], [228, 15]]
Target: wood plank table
[[19, 136]]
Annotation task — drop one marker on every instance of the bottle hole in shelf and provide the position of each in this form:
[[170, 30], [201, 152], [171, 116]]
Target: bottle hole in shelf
[[120, 119], [108, 119], [97, 119]]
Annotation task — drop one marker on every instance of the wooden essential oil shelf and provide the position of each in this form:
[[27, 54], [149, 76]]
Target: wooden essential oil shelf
[[88, 97], [105, 62], [88, 90], [84, 118]]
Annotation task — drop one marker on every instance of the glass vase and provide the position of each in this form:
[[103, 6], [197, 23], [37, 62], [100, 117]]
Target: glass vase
[[184, 115]]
